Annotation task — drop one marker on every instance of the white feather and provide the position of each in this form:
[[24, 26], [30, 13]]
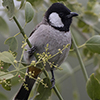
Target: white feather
[[55, 20]]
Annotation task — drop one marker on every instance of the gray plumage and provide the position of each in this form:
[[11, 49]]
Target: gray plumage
[[45, 34]]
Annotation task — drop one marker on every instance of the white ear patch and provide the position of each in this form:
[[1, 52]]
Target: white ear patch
[[55, 20]]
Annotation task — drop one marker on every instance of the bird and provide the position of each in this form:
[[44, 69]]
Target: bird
[[54, 30]]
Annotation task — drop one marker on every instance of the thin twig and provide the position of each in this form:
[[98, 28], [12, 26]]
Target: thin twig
[[80, 60]]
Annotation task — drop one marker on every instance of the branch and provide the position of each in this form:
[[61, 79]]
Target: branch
[[80, 59]]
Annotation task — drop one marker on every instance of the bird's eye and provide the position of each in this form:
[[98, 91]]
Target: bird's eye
[[61, 14]]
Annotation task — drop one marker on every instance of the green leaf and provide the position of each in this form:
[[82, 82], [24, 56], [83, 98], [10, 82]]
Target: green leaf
[[7, 57], [90, 18], [5, 79], [96, 60], [5, 75], [97, 73], [93, 88], [3, 97], [93, 44], [81, 24], [4, 66], [35, 3], [44, 92], [86, 29], [4, 30], [9, 4], [91, 4], [28, 12], [15, 79], [12, 43]]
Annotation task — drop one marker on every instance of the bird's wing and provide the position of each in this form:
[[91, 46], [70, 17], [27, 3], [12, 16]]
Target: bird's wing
[[35, 28]]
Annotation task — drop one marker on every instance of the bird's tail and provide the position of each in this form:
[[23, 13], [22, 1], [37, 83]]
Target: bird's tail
[[26, 87]]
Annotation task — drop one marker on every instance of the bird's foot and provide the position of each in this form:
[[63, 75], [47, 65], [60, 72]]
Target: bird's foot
[[31, 51]]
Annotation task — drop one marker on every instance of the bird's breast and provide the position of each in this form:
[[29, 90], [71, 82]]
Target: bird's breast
[[55, 39]]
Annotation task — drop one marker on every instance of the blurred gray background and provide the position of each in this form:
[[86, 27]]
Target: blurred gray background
[[66, 86]]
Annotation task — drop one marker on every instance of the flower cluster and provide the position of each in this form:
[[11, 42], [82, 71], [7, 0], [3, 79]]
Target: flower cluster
[[39, 80], [13, 53], [20, 78], [44, 59], [5, 83]]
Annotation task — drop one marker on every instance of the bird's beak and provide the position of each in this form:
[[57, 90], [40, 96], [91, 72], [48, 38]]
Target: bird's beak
[[72, 14]]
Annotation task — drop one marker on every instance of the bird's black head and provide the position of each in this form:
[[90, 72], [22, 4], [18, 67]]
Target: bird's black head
[[59, 16]]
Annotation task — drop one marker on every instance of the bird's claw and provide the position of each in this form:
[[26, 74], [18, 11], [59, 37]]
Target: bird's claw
[[31, 51]]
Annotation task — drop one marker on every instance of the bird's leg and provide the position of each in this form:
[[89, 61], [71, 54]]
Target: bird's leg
[[52, 79], [31, 51]]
